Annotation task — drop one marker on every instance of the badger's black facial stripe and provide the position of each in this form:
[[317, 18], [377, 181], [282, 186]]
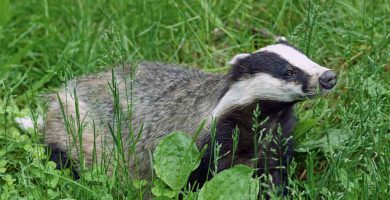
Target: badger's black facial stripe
[[269, 63]]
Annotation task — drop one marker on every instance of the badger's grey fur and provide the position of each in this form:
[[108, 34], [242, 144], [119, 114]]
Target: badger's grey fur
[[168, 98]]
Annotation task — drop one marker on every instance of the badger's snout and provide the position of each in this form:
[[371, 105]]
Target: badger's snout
[[327, 80]]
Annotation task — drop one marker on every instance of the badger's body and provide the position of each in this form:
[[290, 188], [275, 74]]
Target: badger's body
[[165, 98], [168, 98]]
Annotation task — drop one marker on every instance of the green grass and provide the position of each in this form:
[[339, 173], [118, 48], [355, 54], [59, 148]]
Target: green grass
[[343, 139]]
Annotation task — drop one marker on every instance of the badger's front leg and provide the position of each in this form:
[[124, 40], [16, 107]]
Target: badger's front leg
[[274, 163], [209, 165], [272, 157], [277, 150]]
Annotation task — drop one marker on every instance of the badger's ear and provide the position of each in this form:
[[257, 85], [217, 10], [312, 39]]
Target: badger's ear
[[281, 39], [237, 58], [239, 65]]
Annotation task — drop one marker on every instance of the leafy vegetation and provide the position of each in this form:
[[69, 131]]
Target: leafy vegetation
[[175, 158], [342, 140]]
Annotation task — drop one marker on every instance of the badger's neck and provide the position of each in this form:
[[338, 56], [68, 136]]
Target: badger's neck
[[228, 113], [209, 98], [272, 115]]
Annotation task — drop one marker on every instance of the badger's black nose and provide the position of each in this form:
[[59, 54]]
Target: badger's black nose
[[327, 80]]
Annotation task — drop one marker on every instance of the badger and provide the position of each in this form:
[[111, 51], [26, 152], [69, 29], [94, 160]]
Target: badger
[[170, 98]]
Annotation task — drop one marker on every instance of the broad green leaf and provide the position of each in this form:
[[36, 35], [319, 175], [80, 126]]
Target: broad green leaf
[[9, 180], [3, 167], [234, 183], [53, 194], [53, 181], [304, 125], [374, 88], [3, 163], [334, 139], [160, 189], [138, 184], [161, 198], [51, 165], [176, 156]]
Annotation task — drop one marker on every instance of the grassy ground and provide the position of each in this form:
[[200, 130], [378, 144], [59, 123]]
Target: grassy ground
[[343, 140]]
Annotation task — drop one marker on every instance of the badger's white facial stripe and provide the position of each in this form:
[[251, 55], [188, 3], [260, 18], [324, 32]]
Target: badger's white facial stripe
[[238, 57], [296, 58], [259, 87]]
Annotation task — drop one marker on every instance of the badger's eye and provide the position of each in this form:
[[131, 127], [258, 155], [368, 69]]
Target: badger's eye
[[289, 73]]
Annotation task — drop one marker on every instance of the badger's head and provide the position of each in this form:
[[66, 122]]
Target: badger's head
[[277, 72]]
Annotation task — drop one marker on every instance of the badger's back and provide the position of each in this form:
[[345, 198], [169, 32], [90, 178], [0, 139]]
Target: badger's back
[[161, 98], [168, 98]]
